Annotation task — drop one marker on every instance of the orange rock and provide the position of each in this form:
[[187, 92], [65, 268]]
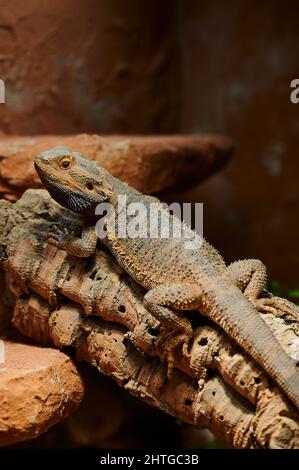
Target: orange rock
[[38, 388], [148, 163]]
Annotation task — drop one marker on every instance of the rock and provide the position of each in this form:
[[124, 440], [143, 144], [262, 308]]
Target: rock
[[38, 388], [148, 163], [113, 66]]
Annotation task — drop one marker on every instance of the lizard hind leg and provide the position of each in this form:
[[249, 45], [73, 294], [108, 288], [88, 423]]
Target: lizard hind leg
[[250, 276], [163, 302]]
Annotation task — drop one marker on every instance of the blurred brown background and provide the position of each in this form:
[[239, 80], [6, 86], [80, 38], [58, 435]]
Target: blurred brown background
[[173, 66], [189, 66], [237, 64]]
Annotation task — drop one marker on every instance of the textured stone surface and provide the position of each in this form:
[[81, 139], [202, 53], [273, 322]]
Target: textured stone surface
[[97, 65], [149, 164], [38, 388]]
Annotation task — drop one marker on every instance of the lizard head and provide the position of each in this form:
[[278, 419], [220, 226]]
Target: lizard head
[[72, 180]]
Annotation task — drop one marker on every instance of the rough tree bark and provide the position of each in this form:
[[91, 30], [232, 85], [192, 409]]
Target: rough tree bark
[[93, 306]]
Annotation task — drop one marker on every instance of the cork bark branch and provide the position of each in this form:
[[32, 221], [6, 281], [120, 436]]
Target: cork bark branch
[[92, 306]]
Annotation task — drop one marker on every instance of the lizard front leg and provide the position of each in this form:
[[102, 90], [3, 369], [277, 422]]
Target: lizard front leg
[[250, 276], [81, 247], [164, 302]]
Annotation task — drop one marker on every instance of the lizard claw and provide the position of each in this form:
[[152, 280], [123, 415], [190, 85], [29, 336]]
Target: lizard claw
[[275, 305], [185, 347], [58, 235], [59, 238], [168, 354], [168, 357]]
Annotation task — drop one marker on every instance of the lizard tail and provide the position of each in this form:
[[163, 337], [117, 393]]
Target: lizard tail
[[237, 317]]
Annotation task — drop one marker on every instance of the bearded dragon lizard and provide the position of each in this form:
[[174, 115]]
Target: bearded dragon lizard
[[177, 276]]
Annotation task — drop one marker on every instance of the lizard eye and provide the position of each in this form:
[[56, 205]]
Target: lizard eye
[[89, 186], [65, 163]]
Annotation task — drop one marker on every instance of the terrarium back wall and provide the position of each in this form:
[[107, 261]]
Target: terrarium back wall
[[89, 66], [172, 66], [238, 60]]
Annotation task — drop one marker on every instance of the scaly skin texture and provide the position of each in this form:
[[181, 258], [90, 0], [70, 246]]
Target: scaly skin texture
[[178, 276]]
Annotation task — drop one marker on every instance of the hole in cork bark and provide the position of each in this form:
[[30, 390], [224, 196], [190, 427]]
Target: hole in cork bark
[[188, 402], [242, 383], [210, 374], [70, 351], [271, 383], [203, 342], [94, 276], [122, 309], [222, 418], [153, 331], [257, 380], [213, 393], [70, 272]]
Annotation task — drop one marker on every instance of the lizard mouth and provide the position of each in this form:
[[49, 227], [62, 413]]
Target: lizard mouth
[[54, 188], [41, 168], [45, 176], [67, 195], [40, 171]]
